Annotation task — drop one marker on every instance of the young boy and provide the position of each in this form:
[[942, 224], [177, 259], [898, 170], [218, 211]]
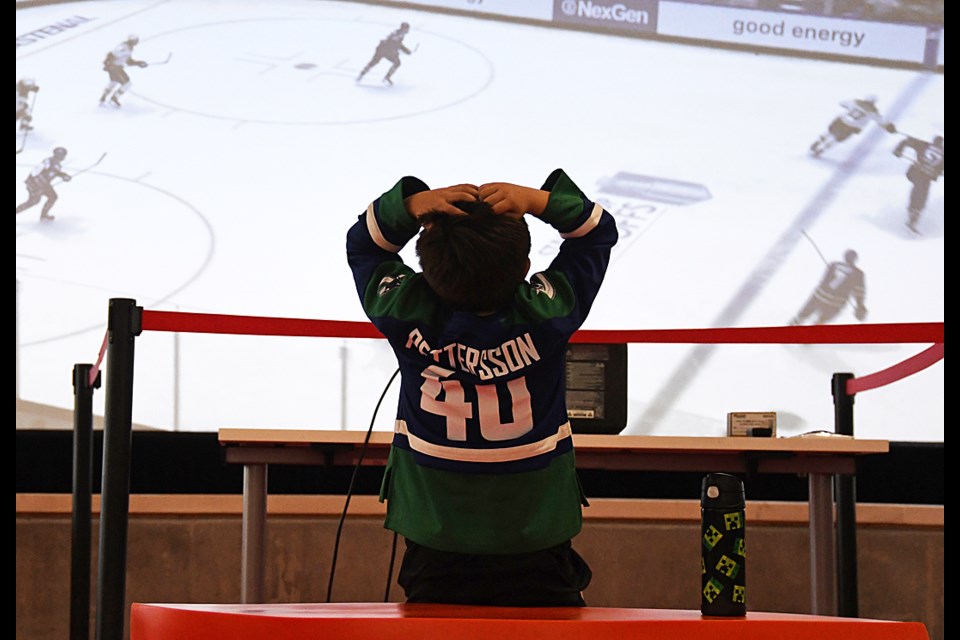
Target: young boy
[[481, 480]]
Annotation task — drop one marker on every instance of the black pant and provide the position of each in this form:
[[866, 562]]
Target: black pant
[[552, 577], [918, 196]]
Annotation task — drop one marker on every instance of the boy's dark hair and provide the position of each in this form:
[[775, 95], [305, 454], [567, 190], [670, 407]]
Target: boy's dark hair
[[474, 262]]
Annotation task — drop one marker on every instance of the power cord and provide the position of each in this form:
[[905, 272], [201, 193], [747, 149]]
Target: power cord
[[353, 479], [393, 556]]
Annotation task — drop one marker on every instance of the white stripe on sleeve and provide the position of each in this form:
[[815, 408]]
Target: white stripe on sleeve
[[374, 229]]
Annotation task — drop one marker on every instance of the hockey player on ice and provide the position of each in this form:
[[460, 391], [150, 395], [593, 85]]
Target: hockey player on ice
[[857, 115], [840, 282], [24, 109], [121, 56], [389, 49], [926, 167], [40, 183]]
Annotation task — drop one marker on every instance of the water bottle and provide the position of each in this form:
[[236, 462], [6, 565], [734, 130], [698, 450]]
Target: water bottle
[[722, 552]]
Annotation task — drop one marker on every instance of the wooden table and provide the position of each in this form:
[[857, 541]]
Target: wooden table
[[817, 457]]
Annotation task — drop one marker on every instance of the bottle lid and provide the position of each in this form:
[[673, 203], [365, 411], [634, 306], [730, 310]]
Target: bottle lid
[[721, 491]]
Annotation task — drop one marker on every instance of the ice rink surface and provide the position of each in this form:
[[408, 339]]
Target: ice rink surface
[[246, 149]]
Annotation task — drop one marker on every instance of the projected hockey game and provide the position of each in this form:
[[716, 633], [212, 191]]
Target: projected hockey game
[[209, 157]]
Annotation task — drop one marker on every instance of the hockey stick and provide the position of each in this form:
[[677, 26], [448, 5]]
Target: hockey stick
[[26, 132], [153, 64], [23, 141], [815, 247], [84, 170]]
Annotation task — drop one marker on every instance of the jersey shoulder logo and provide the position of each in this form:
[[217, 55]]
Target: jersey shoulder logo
[[541, 285], [389, 283]]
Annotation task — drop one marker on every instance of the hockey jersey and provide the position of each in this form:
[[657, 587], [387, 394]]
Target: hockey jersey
[[859, 113], [928, 159], [47, 170], [482, 459], [839, 283], [393, 43], [119, 56]]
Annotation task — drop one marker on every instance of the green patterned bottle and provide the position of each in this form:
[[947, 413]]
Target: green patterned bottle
[[722, 551]]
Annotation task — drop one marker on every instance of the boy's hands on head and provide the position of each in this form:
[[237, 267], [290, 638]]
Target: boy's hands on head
[[440, 200], [504, 198], [513, 200]]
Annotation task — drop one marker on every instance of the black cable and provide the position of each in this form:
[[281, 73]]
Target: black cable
[[393, 556], [353, 478]]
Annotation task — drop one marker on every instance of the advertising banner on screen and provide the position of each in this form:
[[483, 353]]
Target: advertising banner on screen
[[797, 32], [530, 9], [627, 15]]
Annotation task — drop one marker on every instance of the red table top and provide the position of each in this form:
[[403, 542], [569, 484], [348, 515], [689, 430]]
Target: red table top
[[387, 621]]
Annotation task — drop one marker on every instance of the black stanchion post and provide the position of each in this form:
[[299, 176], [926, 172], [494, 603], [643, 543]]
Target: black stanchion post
[[82, 500], [122, 328], [846, 499]]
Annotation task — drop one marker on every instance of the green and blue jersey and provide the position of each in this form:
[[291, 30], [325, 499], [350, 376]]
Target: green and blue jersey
[[482, 459]]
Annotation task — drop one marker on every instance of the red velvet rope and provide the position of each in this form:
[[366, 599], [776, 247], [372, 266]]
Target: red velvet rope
[[913, 332], [96, 368], [898, 371], [255, 325], [928, 332]]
